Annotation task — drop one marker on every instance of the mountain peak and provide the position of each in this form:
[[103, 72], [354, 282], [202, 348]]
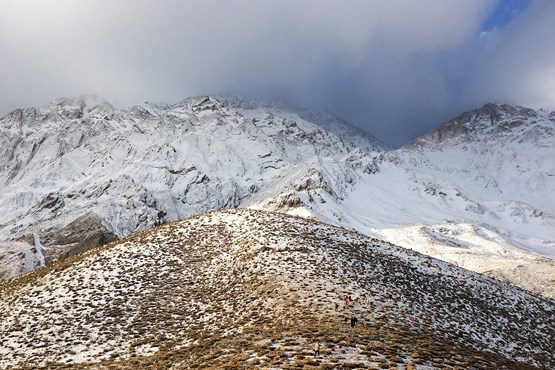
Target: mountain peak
[[492, 121], [324, 119], [78, 107], [61, 109], [497, 111]]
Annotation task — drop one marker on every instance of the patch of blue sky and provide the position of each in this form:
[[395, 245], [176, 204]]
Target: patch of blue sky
[[504, 13]]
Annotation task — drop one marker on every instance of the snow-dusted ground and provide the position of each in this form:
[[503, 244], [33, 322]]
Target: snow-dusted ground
[[242, 288]]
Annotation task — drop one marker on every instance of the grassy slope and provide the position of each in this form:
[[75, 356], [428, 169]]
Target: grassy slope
[[247, 288]]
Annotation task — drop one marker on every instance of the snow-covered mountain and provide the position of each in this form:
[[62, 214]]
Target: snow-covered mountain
[[241, 288], [478, 191], [78, 172]]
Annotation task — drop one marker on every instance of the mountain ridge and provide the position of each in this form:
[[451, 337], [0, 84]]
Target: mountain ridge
[[139, 166], [240, 287], [489, 122]]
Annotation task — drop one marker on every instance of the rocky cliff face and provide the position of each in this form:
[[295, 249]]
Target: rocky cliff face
[[55, 243]]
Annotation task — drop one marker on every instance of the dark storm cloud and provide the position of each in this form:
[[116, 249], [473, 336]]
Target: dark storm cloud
[[396, 68]]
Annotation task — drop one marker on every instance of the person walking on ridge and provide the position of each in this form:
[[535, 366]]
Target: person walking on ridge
[[316, 348]]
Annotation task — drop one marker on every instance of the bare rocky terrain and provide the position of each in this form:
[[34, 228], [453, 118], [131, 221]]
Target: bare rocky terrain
[[242, 288]]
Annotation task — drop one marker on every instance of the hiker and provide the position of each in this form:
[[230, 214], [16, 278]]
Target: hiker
[[354, 321], [345, 302], [316, 348]]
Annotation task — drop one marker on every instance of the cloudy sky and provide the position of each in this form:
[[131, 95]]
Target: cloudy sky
[[394, 67]]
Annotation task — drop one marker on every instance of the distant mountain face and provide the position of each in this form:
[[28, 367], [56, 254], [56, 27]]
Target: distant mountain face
[[250, 289], [130, 169], [492, 123], [505, 153]]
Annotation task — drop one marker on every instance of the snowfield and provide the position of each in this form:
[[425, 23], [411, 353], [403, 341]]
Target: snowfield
[[244, 288]]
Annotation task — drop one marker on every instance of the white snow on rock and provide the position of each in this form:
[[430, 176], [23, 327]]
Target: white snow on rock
[[478, 191], [147, 164]]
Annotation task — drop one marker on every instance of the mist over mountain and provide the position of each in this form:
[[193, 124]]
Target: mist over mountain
[[393, 68]]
